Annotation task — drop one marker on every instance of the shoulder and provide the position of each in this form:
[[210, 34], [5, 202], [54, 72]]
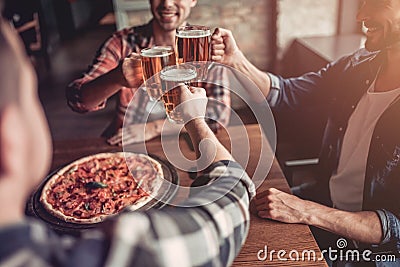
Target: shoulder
[[363, 55], [360, 57], [137, 36], [123, 33], [143, 29], [356, 57]]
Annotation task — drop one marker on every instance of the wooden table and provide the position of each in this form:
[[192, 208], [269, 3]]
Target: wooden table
[[253, 152]]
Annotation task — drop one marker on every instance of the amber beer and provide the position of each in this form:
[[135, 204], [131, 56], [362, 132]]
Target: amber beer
[[154, 59], [193, 43], [172, 77]]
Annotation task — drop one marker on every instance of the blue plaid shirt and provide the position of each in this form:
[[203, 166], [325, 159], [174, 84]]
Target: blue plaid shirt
[[205, 235]]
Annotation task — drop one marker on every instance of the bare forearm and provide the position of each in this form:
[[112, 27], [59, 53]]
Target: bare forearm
[[362, 226], [258, 77], [101, 88], [210, 146], [166, 128], [12, 204]]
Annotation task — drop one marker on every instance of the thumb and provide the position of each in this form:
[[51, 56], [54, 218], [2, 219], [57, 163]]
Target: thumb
[[224, 32], [134, 55], [135, 59], [198, 91], [185, 88], [264, 214]]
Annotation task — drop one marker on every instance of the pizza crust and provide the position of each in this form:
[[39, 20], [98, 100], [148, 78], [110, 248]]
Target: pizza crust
[[152, 188]]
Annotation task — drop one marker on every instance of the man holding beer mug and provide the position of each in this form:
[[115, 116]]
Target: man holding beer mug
[[186, 236], [117, 69], [359, 180]]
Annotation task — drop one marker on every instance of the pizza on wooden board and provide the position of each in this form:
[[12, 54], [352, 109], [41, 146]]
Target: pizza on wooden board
[[99, 186]]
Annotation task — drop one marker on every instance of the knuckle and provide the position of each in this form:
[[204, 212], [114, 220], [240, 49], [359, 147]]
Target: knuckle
[[269, 191], [269, 198], [273, 214], [269, 205]]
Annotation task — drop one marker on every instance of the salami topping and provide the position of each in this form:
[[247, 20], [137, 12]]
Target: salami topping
[[95, 187]]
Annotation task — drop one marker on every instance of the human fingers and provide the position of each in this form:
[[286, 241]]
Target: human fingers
[[117, 137], [185, 90], [264, 200], [269, 191], [128, 134], [191, 90], [217, 51], [197, 91], [264, 214], [217, 47], [113, 141], [216, 58], [130, 139], [134, 60], [132, 71], [264, 203], [217, 44], [216, 34], [193, 103], [134, 55], [223, 33]]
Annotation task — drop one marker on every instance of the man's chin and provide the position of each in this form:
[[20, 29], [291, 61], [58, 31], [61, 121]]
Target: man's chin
[[168, 26], [388, 43], [373, 47]]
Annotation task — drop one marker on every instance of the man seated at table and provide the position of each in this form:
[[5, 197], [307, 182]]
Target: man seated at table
[[359, 180], [116, 69], [210, 233]]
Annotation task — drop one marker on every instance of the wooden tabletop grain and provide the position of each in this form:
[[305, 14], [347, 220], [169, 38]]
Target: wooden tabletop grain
[[269, 243]]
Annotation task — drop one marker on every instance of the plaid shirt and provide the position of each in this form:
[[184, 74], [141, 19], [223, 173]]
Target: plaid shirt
[[209, 234], [115, 49]]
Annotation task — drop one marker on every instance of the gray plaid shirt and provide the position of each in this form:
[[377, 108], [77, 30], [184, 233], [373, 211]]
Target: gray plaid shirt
[[207, 235]]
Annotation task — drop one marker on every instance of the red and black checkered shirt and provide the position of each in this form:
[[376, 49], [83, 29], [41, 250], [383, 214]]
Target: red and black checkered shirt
[[121, 44]]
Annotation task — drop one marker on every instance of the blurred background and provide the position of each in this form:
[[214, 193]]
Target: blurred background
[[287, 37]]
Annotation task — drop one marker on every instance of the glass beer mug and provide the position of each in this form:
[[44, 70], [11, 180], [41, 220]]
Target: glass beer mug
[[193, 45], [172, 78], [154, 59]]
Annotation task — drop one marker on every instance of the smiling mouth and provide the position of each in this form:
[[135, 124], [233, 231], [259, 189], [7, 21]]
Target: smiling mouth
[[167, 15], [371, 28]]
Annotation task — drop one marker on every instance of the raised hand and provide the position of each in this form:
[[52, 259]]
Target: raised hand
[[193, 102], [131, 68], [224, 48]]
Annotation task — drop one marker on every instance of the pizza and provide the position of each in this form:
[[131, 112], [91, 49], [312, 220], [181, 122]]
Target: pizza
[[99, 186]]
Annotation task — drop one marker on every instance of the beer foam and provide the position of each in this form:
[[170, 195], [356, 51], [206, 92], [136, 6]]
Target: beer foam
[[193, 34], [178, 75], [157, 52]]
